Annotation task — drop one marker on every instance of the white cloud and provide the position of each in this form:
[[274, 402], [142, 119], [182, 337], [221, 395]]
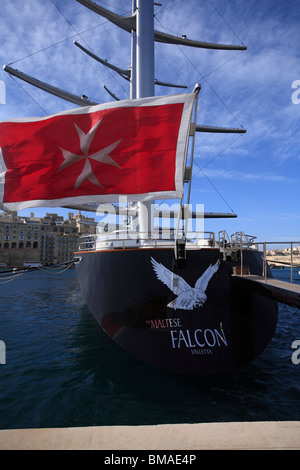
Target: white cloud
[[243, 176], [252, 88]]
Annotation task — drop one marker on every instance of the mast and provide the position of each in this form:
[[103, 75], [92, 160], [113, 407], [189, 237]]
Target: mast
[[141, 75], [144, 80], [133, 58], [129, 24], [145, 48]]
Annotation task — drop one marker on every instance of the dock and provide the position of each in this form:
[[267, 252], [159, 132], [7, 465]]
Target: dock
[[271, 435], [285, 292]]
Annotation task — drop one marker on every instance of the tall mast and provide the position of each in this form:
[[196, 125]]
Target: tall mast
[[145, 48], [144, 79], [133, 58]]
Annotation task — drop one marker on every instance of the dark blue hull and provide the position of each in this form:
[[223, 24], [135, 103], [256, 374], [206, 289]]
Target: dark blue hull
[[198, 322]]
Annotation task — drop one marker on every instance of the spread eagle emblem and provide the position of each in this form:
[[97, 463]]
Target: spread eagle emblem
[[187, 297]]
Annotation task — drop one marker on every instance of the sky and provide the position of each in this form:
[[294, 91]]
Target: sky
[[255, 175]]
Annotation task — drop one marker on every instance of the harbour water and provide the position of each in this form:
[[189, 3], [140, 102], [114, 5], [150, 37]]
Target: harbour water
[[62, 370]]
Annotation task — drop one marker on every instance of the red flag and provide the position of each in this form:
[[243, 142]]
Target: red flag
[[94, 154]]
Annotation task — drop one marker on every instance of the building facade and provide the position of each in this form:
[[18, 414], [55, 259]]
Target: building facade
[[46, 240]]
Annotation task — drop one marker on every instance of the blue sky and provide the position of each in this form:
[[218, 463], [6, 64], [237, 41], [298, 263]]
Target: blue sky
[[256, 175]]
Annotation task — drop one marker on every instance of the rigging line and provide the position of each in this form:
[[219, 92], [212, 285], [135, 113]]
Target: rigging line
[[227, 24], [96, 71], [220, 153], [220, 66], [70, 24], [211, 160], [28, 94], [56, 43], [170, 6], [212, 89], [97, 33], [203, 78], [175, 70], [43, 49], [216, 189], [123, 11], [79, 34], [206, 164]]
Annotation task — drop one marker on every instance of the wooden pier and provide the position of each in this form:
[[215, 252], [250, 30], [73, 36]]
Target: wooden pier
[[281, 291]]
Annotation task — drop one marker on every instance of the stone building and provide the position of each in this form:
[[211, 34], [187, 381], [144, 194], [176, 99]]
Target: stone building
[[46, 240], [19, 239]]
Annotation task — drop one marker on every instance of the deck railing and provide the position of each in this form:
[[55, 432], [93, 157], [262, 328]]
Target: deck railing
[[291, 255], [289, 258], [229, 246], [161, 238]]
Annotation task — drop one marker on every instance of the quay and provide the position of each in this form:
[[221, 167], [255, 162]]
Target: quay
[[281, 291], [265, 435]]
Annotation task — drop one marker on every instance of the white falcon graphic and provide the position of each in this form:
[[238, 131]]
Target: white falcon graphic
[[187, 297]]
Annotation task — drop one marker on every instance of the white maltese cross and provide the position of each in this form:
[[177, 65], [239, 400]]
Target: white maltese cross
[[100, 156]]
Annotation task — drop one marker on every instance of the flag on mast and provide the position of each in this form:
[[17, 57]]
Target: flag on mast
[[135, 148]]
